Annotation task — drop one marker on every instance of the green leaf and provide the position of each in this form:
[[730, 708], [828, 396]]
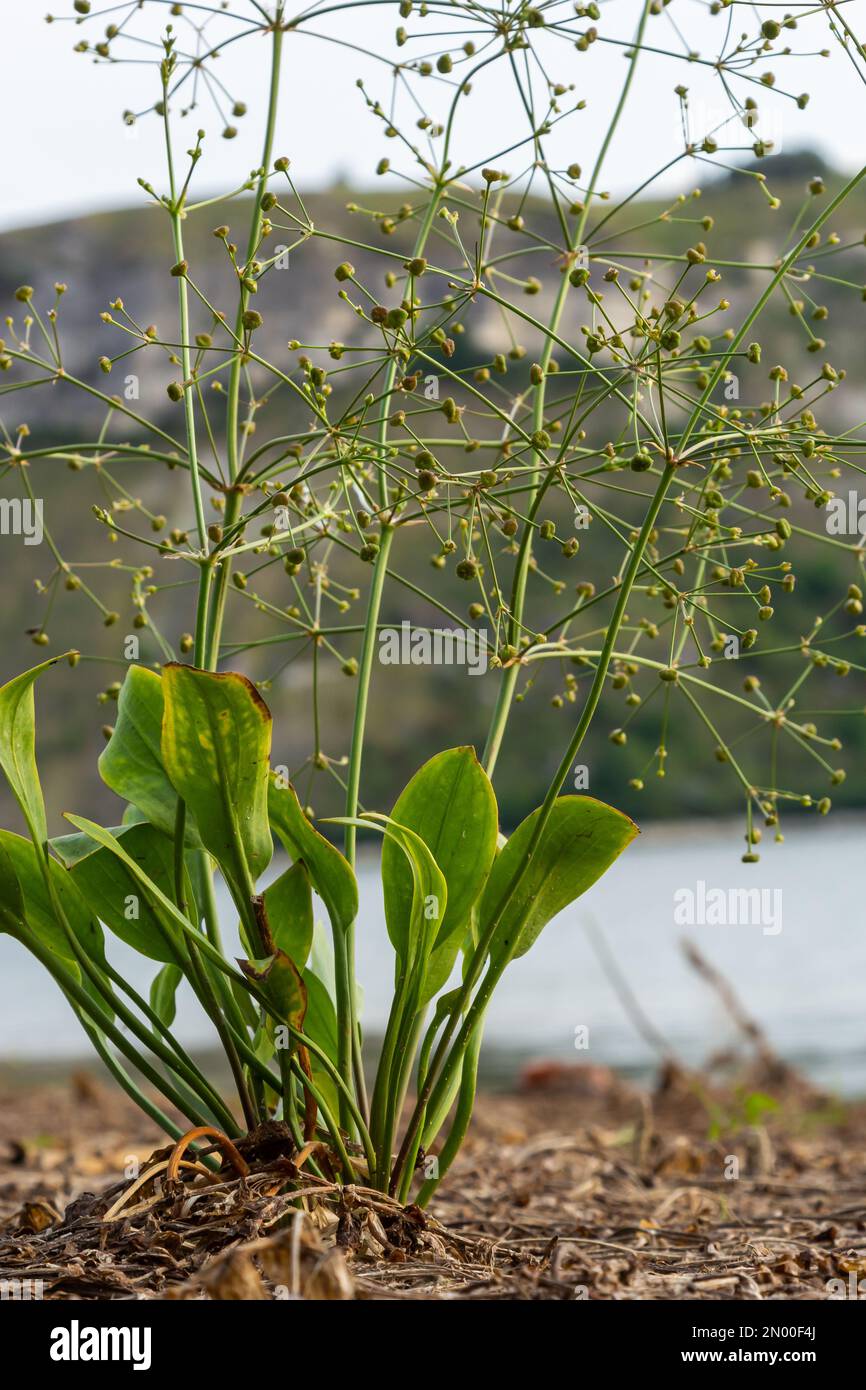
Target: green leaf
[[450, 803], [280, 983], [289, 907], [31, 909], [12, 915], [18, 747], [170, 915], [216, 739], [114, 893], [320, 1024], [131, 762], [330, 872], [163, 990], [70, 849], [417, 930], [581, 840]]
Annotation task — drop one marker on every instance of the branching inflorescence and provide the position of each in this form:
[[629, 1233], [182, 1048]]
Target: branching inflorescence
[[536, 380]]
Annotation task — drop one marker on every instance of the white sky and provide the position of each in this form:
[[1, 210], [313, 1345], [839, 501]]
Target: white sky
[[65, 149]]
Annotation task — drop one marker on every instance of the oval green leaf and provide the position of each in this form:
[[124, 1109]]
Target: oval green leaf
[[450, 803], [131, 762], [216, 741], [581, 840]]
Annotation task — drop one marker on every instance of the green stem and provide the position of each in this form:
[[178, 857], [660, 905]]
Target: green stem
[[505, 696], [87, 1005], [235, 498], [327, 1115], [365, 672], [441, 1082], [187, 1070], [459, 1126], [381, 1132]]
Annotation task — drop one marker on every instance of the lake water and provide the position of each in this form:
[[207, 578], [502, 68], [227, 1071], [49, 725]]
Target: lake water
[[804, 983]]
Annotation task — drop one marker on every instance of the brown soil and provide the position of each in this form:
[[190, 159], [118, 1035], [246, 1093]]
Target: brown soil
[[577, 1187]]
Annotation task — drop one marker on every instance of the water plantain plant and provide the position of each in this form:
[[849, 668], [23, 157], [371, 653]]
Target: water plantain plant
[[556, 395], [190, 756]]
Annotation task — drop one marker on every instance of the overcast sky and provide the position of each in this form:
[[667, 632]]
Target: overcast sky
[[65, 149]]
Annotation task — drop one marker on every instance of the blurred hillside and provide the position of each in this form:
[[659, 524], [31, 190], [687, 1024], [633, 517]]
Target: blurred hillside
[[129, 254]]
